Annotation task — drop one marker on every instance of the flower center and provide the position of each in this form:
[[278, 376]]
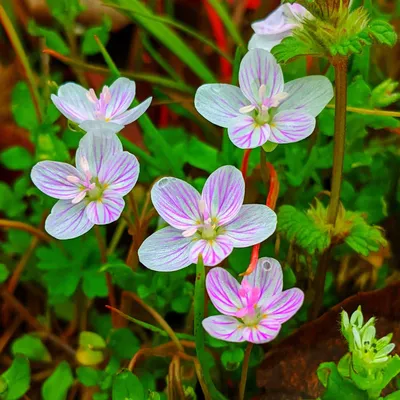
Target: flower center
[[101, 103], [207, 227], [264, 110], [89, 186], [250, 313]]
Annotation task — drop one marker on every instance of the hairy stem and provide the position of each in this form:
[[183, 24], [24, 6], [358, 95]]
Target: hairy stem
[[340, 66], [211, 391], [245, 368]]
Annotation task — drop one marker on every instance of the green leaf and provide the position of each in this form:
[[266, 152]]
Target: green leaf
[[57, 385], [3, 273], [91, 348], [16, 380], [122, 275], [53, 39], [232, 358], [201, 155], [22, 107], [290, 47], [127, 387], [181, 304], [65, 11], [89, 44], [94, 283], [88, 376], [166, 36], [392, 369], [383, 32], [392, 396], [31, 347], [50, 147], [289, 278], [123, 343], [16, 158]]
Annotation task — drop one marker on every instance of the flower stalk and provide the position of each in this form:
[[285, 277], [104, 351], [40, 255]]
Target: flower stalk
[[245, 368]]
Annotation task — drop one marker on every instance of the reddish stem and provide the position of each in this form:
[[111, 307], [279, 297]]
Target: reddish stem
[[245, 163]]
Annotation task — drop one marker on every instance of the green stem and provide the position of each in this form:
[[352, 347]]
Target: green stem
[[107, 58], [340, 66], [199, 304], [122, 224], [245, 368]]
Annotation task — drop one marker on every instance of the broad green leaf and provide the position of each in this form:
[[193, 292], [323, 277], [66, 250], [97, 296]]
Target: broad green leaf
[[57, 385], [166, 36], [123, 343], [91, 349], [232, 358], [15, 382], [383, 32], [201, 155], [392, 370], [127, 387], [31, 347], [122, 275], [89, 44], [16, 158], [3, 273], [88, 376], [53, 39], [22, 107], [65, 11]]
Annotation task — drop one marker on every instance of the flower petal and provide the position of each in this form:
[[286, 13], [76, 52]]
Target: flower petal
[[223, 290], [212, 251], [165, 250], [224, 328], [177, 202], [246, 134], [284, 305], [120, 173], [122, 93], [133, 114], [71, 100], [268, 277], [51, 178], [266, 331], [275, 23], [105, 210], [309, 94], [257, 68], [291, 126], [97, 150], [265, 42], [219, 103], [101, 127], [253, 224], [223, 194], [67, 220]]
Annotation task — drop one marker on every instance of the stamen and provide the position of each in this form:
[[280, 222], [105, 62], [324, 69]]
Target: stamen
[[91, 95], [189, 232], [85, 166], [73, 179], [262, 91], [106, 94], [247, 109], [203, 210], [79, 197]]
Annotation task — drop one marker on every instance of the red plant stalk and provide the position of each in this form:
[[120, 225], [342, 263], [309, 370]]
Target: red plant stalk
[[271, 203], [245, 163]]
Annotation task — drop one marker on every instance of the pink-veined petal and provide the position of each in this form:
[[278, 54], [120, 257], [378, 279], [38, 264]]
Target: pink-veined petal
[[120, 173], [257, 68], [291, 126], [177, 202], [223, 194], [51, 178], [224, 327], [266, 42], [282, 306], [122, 93], [71, 100], [275, 23], [219, 103], [268, 277], [105, 210], [101, 127], [67, 220], [212, 251], [96, 150], [309, 94], [265, 331], [245, 133], [253, 224], [223, 290], [133, 114], [165, 250]]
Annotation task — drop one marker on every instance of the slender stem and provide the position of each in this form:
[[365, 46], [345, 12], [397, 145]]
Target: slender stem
[[164, 324], [245, 368], [71, 37], [340, 66], [245, 163], [122, 224], [199, 302], [109, 61], [27, 228], [368, 111], [19, 50]]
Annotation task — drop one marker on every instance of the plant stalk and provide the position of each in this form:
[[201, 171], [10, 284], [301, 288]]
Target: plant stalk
[[245, 368]]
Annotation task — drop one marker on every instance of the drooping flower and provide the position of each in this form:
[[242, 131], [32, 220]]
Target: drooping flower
[[264, 108], [270, 31], [210, 224], [255, 309], [90, 194], [107, 114]]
